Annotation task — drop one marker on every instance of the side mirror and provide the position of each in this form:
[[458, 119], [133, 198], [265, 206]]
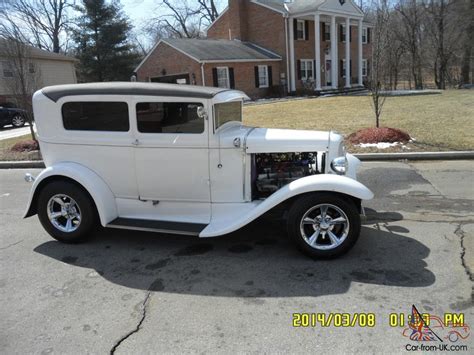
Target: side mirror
[[201, 112]]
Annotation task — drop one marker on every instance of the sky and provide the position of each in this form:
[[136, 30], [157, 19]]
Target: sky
[[139, 10]]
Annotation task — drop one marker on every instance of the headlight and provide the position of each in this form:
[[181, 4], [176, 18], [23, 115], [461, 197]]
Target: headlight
[[339, 165]]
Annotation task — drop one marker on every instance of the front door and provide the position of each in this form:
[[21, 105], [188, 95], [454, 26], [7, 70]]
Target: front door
[[172, 158], [328, 70]]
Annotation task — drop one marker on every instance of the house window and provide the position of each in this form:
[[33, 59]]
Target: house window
[[343, 33], [327, 32], [169, 117], [364, 35], [31, 68], [300, 29], [262, 76], [223, 77], [7, 70], [306, 69], [364, 67], [343, 69]]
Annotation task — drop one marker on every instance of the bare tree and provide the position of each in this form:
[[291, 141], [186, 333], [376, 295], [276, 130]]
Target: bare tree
[[409, 33], [25, 77], [41, 23], [467, 67], [182, 19], [444, 31], [380, 44]]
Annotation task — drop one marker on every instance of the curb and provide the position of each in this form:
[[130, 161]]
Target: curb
[[22, 164], [39, 164], [416, 156]]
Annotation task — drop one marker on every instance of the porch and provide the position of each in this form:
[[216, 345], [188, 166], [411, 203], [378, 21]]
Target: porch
[[331, 33]]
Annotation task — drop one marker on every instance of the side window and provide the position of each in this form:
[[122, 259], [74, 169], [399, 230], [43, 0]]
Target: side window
[[96, 116], [169, 117]]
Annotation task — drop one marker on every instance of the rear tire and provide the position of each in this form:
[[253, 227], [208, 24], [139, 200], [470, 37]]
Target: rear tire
[[324, 225], [66, 212]]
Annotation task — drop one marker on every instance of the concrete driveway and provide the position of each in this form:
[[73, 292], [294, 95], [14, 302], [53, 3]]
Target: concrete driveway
[[11, 132], [131, 292]]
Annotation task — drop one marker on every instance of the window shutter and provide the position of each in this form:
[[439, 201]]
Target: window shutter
[[368, 68], [270, 76], [314, 69], [231, 78], [341, 35], [350, 34], [257, 81], [323, 30], [306, 30], [341, 67], [295, 30], [214, 77], [298, 69], [350, 65], [368, 35]]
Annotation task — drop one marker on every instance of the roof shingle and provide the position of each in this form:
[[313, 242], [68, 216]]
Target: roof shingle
[[221, 50]]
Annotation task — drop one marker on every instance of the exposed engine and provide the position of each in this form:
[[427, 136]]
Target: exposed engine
[[271, 171]]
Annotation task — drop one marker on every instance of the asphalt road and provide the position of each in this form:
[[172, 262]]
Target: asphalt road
[[131, 292]]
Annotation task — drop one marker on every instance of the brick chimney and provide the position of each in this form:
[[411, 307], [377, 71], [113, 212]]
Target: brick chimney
[[238, 19]]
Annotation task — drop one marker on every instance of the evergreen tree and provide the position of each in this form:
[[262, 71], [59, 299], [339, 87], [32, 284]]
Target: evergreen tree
[[102, 42]]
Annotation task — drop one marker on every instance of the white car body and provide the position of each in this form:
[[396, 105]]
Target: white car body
[[201, 180]]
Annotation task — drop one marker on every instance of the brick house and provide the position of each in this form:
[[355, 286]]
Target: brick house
[[269, 47]]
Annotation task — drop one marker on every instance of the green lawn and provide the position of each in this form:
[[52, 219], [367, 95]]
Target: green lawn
[[437, 122]]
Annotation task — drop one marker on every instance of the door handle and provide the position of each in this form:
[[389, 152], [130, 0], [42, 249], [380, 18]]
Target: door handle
[[135, 142]]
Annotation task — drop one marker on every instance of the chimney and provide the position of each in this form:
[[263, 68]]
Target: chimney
[[238, 19]]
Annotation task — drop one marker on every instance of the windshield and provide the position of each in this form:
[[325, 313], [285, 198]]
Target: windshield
[[226, 112]]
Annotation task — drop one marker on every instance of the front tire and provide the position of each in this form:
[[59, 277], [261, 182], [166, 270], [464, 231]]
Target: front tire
[[18, 121], [324, 225], [66, 212]]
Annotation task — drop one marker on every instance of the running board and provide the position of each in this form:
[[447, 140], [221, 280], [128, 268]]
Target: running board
[[147, 225]]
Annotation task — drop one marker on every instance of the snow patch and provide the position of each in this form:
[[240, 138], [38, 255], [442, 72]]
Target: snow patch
[[383, 145]]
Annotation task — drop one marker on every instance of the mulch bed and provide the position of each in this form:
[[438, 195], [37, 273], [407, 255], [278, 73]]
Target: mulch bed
[[25, 146], [378, 135]]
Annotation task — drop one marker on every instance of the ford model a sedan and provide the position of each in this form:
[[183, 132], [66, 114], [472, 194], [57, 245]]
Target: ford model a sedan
[[177, 159]]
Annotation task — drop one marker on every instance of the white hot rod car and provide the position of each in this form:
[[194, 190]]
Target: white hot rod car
[[177, 159]]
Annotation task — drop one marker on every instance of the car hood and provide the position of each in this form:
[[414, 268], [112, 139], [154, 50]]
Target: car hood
[[271, 140]]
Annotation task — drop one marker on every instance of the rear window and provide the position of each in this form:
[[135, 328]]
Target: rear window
[[96, 116], [169, 117]]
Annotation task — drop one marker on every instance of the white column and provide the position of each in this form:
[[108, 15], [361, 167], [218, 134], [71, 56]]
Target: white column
[[359, 52], [292, 55], [317, 52], [348, 53], [333, 53]]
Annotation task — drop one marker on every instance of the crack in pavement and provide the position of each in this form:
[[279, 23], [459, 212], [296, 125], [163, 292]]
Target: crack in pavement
[[137, 328], [460, 233], [11, 245]]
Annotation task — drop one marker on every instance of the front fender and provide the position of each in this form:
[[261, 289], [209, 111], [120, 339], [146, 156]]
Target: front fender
[[227, 218], [100, 192]]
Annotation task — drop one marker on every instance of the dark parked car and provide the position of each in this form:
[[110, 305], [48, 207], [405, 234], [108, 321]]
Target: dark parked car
[[11, 115]]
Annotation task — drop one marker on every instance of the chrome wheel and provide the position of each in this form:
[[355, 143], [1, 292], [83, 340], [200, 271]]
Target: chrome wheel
[[64, 213], [18, 121], [324, 226]]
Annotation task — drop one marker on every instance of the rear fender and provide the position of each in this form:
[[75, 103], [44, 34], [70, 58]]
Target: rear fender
[[100, 192], [227, 218]]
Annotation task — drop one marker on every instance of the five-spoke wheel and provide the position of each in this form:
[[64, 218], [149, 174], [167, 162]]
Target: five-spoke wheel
[[66, 211], [324, 225]]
